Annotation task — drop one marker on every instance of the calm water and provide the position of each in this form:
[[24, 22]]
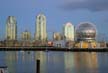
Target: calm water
[[54, 62]]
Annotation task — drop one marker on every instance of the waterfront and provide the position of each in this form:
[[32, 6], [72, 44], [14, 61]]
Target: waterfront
[[54, 62]]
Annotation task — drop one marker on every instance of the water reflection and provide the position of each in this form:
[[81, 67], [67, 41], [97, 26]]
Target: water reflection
[[69, 62], [86, 62], [10, 60], [19, 62], [82, 62], [55, 62], [103, 62], [42, 57]]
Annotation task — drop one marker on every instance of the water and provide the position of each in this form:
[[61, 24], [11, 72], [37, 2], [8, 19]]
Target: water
[[54, 62]]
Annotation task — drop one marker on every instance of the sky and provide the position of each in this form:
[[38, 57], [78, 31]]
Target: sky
[[57, 12]]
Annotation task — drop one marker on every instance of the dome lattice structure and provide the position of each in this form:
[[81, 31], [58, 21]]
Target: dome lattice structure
[[86, 31]]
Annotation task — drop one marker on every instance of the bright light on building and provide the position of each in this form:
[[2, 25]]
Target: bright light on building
[[69, 32], [86, 35]]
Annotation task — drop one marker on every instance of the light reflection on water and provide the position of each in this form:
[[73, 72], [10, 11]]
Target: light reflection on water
[[54, 62]]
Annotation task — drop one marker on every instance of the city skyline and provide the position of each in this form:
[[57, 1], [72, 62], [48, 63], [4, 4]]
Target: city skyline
[[40, 21], [57, 13]]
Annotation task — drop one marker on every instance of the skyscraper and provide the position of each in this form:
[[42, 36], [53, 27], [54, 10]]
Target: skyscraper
[[41, 33], [69, 32], [11, 28]]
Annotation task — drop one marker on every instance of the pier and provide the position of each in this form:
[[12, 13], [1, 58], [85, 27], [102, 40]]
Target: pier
[[65, 49]]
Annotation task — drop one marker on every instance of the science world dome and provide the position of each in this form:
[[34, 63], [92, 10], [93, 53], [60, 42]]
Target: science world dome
[[86, 31]]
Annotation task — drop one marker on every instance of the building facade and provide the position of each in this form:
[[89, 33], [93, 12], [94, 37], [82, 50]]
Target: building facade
[[57, 36], [41, 33], [11, 28], [86, 35], [68, 32], [26, 35]]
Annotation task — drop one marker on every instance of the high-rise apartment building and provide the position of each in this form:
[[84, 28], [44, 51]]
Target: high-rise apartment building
[[41, 33], [11, 28], [26, 36], [68, 32]]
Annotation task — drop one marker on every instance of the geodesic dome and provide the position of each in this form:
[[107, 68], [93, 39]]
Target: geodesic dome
[[86, 31]]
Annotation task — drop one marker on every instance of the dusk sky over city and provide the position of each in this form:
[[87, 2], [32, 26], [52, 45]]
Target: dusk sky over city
[[57, 12]]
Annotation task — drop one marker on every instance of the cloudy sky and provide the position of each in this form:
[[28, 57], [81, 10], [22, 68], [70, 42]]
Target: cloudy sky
[[57, 12]]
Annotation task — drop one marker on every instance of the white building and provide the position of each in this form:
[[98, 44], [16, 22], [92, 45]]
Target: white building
[[60, 43], [41, 33], [11, 28], [68, 32]]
